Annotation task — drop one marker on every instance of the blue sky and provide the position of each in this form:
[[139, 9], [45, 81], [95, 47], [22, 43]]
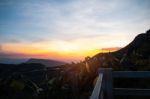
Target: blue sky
[[101, 23]]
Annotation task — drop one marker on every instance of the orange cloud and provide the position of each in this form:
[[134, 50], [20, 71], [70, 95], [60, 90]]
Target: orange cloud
[[111, 49]]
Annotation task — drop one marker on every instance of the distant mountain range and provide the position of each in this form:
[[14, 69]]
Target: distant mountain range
[[12, 60], [46, 62]]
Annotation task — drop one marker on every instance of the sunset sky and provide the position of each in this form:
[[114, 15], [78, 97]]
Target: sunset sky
[[69, 30]]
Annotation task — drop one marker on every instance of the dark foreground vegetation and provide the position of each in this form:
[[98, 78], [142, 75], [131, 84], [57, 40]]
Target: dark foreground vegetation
[[76, 80]]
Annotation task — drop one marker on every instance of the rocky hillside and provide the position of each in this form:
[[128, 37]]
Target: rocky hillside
[[135, 56]]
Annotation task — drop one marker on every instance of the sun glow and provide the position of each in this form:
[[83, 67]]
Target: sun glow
[[66, 52], [68, 47], [73, 50]]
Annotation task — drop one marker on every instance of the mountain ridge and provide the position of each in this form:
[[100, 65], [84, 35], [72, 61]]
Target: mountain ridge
[[46, 62], [134, 56]]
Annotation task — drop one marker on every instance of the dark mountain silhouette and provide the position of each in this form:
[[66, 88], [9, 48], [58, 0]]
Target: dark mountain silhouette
[[140, 42], [136, 55], [46, 62]]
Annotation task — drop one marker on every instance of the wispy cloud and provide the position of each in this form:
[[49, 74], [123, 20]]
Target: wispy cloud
[[82, 18], [79, 18]]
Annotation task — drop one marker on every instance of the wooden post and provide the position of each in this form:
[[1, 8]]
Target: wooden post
[[107, 85]]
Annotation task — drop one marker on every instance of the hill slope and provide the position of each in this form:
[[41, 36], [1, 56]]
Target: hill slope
[[135, 55], [141, 42]]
